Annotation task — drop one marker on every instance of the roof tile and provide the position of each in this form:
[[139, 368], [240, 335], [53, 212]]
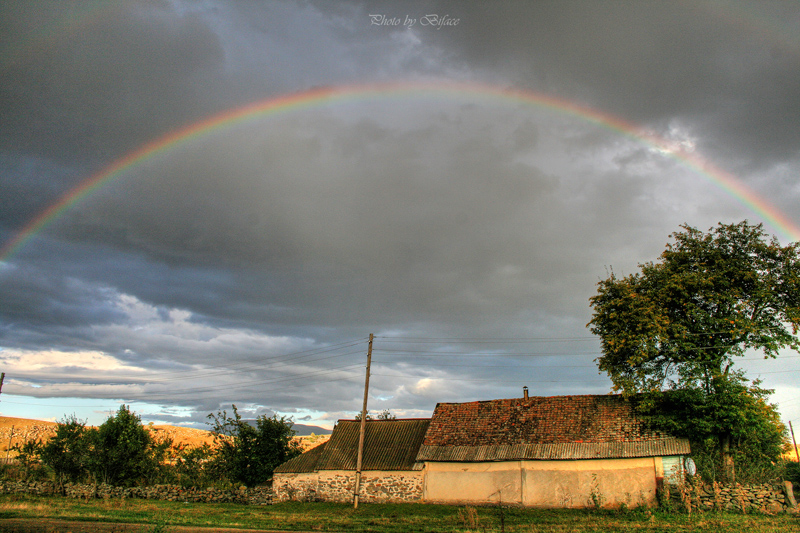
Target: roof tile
[[553, 420]]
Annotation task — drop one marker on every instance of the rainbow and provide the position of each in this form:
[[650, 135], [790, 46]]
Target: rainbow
[[333, 95]]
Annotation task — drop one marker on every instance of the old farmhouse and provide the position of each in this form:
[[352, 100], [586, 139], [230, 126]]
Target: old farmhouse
[[560, 451]]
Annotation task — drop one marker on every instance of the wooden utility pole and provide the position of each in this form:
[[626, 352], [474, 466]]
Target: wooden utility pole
[[363, 426], [2, 378], [794, 441]]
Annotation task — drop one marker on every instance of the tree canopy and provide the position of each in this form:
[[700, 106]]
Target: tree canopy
[[119, 452], [122, 450], [67, 452], [248, 453], [670, 335], [711, 297], [386, 414]]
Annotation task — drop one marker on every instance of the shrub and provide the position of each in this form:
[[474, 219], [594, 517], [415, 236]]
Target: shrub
[[123, 451], [192, 466], [793, 472], [248, 454], [67, 452], [29, 460]]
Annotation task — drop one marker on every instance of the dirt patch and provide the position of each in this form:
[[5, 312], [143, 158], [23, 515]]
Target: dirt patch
[[22, 525]]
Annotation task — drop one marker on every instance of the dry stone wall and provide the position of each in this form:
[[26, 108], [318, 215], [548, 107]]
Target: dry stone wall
[[397, 487], [244, 495], [769, 498], [338, 486], [301, 487]]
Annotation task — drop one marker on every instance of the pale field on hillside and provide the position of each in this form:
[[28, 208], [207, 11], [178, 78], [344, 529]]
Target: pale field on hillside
[[15, 431]]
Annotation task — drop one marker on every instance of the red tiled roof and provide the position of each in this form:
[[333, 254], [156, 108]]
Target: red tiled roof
[[556, 427], [536, 420]]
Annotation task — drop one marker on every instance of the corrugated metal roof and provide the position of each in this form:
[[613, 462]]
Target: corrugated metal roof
[[388, 445], [305, 462], [571, 450]]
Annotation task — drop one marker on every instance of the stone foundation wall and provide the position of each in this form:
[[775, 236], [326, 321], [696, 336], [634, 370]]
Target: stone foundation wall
[[770, 498], [251, 496], [295, 487], [338, 486], [395, 487]]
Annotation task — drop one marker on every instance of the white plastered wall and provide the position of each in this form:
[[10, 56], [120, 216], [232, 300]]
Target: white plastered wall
[[579, 483]]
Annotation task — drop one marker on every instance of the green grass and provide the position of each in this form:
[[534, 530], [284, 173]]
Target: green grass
[[383, 518]]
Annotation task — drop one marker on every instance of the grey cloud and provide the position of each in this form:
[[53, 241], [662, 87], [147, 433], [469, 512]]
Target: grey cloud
[[85, 90], [210, 265], [648, 62]]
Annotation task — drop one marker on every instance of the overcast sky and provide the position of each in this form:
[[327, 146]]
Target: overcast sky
[[478, 169]]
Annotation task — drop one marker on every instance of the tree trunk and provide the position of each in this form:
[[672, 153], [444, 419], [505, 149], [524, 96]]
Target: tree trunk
[[728, 468]]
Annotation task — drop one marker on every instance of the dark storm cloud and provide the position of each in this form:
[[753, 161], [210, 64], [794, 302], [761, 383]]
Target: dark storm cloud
[[99, 89], [336, 213], [248, 264], [729, 70]]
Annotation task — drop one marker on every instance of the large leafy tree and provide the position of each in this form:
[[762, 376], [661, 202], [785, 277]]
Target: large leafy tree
[[711, 297], [67, 452], [679, 324], [123, 451], [248, 453]]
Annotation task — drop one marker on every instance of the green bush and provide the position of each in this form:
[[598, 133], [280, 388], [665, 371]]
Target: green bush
[[123, 451], [793, 472], [191, 466], [29, 464], [738, 414], [67, 452], [247, 454]]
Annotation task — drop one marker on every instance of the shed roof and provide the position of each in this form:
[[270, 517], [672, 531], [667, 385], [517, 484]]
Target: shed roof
[[305, 462], [388, 445], [555, 427]]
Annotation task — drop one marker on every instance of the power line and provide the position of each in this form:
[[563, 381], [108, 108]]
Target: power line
[[484, 340], [232, 370], [255, 362], [459, 365], [240, 385], [429, 353], [490, 380]]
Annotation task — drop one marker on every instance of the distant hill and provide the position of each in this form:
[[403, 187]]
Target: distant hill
[[302, 430], [18, 430]]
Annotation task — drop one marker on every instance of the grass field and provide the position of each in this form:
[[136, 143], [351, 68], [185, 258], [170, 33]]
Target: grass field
[[160, 515]]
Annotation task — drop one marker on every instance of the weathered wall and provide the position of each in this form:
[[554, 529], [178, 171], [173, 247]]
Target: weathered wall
[[301, 487], [489, 482], [584, 483], [589, 483], [338, 485]]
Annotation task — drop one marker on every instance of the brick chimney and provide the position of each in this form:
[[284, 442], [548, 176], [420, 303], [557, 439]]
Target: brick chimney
[[525, 393]]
